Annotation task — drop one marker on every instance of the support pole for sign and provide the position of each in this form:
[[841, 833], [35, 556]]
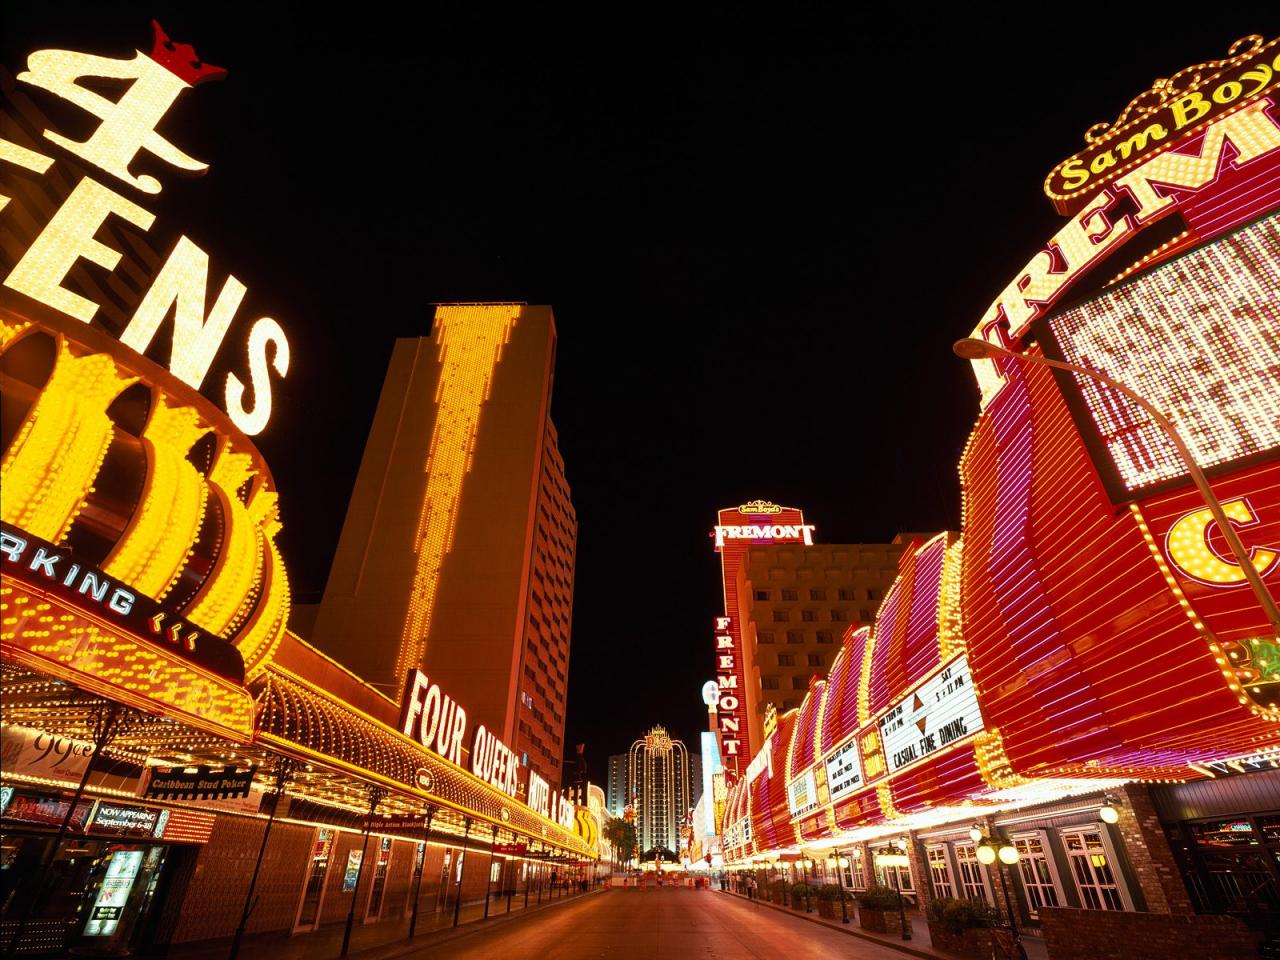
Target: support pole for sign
[[488, 882], [417, 892], [528, 875], [542, 847], [107, 719], [375, 797], [462, 864], [284, 770]]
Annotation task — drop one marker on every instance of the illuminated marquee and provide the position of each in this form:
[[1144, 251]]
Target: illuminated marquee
[[941, 712], [125, 128], [431, 717], [1231, 142], [766, 533]]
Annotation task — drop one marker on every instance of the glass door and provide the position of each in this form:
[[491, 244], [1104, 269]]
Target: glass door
[[374, 910], [1037, 874], [317, 870]]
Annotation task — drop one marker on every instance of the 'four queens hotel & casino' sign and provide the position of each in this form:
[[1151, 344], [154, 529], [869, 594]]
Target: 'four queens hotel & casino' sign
[[79, 242]]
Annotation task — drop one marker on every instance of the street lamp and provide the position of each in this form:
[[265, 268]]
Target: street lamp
[[1107, 813], [897, 861], [990, 850], [840, 863], [805, 864], [972, 348]]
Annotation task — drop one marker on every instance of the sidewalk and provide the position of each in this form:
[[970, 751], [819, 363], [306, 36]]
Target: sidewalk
[[918, 946], [373, 941]]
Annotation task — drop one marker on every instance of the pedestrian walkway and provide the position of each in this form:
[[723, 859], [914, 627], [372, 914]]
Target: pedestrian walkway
[[373, 941], [920, 944]]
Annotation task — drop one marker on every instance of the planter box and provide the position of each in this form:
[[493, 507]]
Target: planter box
[[827, 908], [977, 942], [879, 921]]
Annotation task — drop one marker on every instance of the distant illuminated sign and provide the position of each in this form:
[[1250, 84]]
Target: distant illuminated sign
[[126, 127], [1220, 382], [844, 772], [802, 793], [941, 711], [553, 804], [766, 533], [114, 818], [352, 873], [710, 767]]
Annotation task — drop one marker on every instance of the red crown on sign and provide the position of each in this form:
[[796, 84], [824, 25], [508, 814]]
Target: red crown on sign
[[180, 59]]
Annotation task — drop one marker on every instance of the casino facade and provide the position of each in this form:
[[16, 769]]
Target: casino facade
[[162, 725], [1087, 672]]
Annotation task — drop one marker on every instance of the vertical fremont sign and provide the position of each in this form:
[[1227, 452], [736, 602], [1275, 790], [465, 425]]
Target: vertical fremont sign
[[737, 530]]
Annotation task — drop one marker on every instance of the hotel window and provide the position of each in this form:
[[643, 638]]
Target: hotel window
[[846, 594], [799, 683], [817, 594], [1037, 873], [824, 636], [781, 616], [762, 594], [795, 636], [789, 595], [816, 660], [838, 616], [769, 683], [970, 871], [1091, 865], [940, 872], [864, 614], [764, 636], [786, 659], [809, 616]]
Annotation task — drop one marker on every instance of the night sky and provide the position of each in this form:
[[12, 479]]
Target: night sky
[[759, 237]]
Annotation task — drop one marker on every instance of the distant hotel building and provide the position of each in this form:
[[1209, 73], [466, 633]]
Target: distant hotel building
[[658, 770], [788, 602], [618, 793], [457, 553]]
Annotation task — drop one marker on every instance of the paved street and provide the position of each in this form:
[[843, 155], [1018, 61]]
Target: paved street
[[636, 924]]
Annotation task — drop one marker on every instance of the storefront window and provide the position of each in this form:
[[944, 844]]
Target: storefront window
[[940, 872], [1037, 876], [93, 899], [970, 873], [1092, 869]]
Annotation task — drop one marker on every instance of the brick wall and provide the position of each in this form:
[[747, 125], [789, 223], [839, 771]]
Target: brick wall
[[1148, 849], [216, 890], [1074, 934]]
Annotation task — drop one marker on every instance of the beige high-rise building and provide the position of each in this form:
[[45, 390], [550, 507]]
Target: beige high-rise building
[[457, 553]]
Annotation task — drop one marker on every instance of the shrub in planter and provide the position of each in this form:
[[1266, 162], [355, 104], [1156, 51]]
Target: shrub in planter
[[878, 909], [799, 891], [829, 894], [962, 927]]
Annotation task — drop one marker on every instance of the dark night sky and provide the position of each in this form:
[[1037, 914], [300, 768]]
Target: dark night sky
[[759, 237]]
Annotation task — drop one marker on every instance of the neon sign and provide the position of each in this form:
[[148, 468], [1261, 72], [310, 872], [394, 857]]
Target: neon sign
[[731, 713], [767, 533], [127, 127], [431, 717]]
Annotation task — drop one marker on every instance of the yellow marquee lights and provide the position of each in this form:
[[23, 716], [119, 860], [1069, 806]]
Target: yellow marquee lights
[[156, 544], [1189, 551], [950, 625], [49, 467], [221, 603], [470, 338], [54, 640]]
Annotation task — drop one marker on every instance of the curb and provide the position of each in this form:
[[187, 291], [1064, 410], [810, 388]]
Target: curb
[[842, 928]]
